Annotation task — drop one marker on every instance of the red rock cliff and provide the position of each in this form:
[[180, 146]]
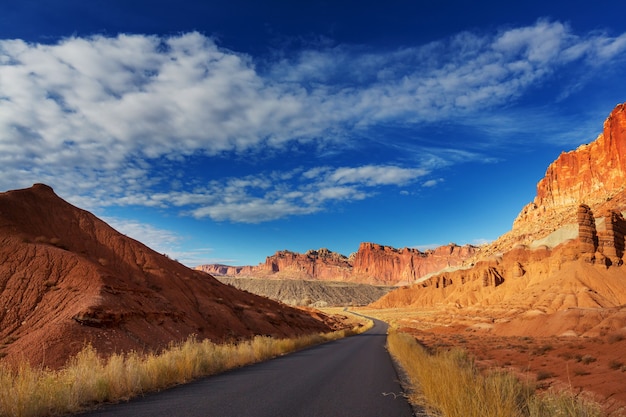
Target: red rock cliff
[[596, 171], [593, 174], [372, 264], [386, 265]]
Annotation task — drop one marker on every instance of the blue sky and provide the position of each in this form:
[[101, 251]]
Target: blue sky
[[221, 132]]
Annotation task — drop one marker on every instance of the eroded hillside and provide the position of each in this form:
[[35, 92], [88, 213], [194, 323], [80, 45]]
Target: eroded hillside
[[67, 278]]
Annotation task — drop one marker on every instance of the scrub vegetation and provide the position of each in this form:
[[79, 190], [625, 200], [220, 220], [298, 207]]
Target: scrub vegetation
[[447, 383], [89, 379]]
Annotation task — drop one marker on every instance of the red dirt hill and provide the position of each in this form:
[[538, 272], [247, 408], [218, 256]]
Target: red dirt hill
[[67, 278]]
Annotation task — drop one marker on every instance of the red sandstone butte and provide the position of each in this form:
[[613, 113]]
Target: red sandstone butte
[[67, 279]]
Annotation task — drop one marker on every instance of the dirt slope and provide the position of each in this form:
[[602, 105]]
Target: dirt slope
[[67, 278], [310, 293]]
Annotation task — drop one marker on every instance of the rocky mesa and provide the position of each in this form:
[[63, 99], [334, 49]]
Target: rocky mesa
[[372, 264], [67, 279]]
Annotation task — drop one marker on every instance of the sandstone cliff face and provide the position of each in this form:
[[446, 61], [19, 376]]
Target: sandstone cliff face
[[321, 264], [67, 278], [218, 269], [521, 280], [593, 174], [584, 188], [384, 264], [371, 264]]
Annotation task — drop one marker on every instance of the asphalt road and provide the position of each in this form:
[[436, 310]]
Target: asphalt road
[[349, 377]]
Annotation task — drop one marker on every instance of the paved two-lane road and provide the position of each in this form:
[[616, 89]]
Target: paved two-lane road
[[351, 377]]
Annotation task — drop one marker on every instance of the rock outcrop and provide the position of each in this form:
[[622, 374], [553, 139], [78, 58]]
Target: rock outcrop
[[584, 270], [611, 237], [587, 229], [371, 264], [67, 279], [219, 269], [593, 174], [384, 264]]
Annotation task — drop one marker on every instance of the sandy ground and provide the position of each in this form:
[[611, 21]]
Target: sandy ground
[[594, 367]]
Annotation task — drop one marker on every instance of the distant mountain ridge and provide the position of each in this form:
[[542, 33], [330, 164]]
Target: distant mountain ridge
[[371, 264]]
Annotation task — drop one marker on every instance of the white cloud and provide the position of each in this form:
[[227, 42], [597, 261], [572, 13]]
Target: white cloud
[[270, 196], [160, 240], [376, 175], [433, 182], [93, 116]]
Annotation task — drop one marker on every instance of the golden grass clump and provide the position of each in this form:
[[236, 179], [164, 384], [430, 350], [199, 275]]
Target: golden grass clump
[[448, 384], [88, 379]]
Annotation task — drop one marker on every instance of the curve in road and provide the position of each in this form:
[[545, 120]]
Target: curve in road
[[348, 377]]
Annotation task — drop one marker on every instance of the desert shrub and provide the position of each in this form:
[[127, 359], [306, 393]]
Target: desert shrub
[[616, 365], [587, 359], [562, 404], [542, 350], [88, 378], [448, 384], [541, 375]]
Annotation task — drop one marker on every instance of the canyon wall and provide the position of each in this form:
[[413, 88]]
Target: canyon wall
[[401, 266], [593, 174], [583, 188], [371, 264]]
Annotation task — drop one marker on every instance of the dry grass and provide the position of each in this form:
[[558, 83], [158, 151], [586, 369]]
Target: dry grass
[[89, 379], [448, 384]]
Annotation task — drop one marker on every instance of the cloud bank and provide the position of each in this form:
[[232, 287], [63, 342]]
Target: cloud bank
[[96, 116]]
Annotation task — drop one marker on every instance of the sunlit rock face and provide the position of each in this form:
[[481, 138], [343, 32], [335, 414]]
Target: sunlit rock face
[[371, 264], [386, 265], [593, 173], [565, 250]]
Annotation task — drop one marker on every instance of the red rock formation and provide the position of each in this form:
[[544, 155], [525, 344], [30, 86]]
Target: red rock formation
[[371, 264], [321, 264], [611, 238], [591, 173], [386, 265], [587, 229], [218, 269], [67, 278]]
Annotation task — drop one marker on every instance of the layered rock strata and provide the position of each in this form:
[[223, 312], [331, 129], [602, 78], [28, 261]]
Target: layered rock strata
[[587, 229], [593, 174], [371, 264]]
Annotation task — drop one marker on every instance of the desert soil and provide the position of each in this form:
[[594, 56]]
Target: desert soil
[[594, 367]]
